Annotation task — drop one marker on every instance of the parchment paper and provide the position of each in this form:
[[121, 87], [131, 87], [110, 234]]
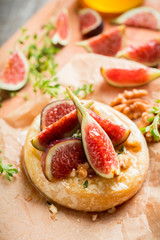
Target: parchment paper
[[24, 213]]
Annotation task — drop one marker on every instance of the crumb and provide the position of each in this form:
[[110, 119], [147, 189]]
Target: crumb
[[94, 217], [16, 196], [53, 210], [112, 210], [119, 221], [28, 198], [78, 220]]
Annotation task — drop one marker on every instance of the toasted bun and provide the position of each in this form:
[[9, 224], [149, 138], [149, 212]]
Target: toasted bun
[[101, 194]]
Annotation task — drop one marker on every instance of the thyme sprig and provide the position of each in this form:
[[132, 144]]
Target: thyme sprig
[[154, 121], [7, 169]]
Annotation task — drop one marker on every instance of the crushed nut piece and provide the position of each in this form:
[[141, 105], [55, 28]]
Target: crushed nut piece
[[124, 161], [53, 210], [73, 173], [112, 210], [94, 217], [130, 103], [82, 170]]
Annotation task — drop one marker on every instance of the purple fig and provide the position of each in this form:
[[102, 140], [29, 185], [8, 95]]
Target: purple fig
[[91, 23]]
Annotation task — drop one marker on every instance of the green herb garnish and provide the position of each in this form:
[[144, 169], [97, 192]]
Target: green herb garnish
[[85, 184], [155, 122], [7, 170], [122, 149]]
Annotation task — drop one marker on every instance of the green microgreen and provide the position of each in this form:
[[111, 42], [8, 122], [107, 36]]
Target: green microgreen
[[77, 134], [81, 92], [7, 169], [155, 122], [85, 184], [122, 149]]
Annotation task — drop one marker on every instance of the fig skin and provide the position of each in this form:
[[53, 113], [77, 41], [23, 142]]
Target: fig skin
[[97, 145], [95, 28], [60, 157], [129, 77]]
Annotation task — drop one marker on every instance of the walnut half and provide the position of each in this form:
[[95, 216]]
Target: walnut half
[[130, 103]]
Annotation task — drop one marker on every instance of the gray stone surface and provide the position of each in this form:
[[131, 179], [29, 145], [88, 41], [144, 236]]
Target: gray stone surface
[[14, 13]]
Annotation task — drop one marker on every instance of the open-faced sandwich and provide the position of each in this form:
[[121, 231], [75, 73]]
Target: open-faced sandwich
[[85, 155]]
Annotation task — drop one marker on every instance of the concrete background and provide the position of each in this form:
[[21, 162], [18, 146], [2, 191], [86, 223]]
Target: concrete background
[[14, 13]]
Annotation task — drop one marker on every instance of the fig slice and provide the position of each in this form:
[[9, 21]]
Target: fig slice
[[108, 43], [91, 23], [15, 74], [61, 157], [117, 132], [140, 17], [129, 77], [64, 127], [97, 145], [147, 54], [62, 33], [53, 111]]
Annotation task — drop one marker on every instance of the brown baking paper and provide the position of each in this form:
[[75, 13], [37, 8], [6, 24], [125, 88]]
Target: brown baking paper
[[24, 214]]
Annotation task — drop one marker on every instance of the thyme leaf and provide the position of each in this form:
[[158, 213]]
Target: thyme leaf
[[85, 184], [7, 169], [155, 122]]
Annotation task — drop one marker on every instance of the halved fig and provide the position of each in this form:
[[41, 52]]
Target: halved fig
[[64, 127], [147, 54], [62, 33], [129, 77], [91, 23], [61, 157], [107, 44], [140, 17], [97, 145], [53, 111], [15, 74]]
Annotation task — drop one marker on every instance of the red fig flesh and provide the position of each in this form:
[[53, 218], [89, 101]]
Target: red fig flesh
[[91, 23], [129, 77], [54, 111], [62, 33], [107, 44], [147, 54], [60, 158], [98, 148], [140, 17]]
